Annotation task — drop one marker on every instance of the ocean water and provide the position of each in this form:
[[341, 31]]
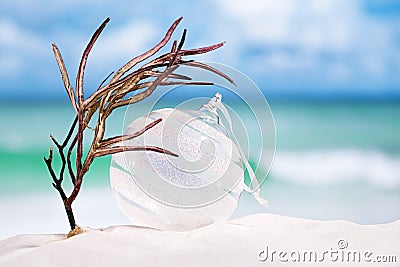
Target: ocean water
[[333, 161]]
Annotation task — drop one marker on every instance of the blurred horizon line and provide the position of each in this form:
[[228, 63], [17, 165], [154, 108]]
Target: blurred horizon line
[[290, 97]]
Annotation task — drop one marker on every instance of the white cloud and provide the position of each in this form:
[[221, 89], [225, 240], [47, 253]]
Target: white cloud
[[357, 44], [15, 45], [13, 36], [332, 42], [309, 24]]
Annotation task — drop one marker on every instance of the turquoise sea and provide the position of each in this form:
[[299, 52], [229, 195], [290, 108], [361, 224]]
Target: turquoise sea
[[334, 160]]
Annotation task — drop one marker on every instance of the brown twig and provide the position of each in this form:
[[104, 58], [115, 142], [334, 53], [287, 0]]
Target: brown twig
[[64, 76], [117, 139], [111, 95], [82, 65], [118, 149], [57, 182]]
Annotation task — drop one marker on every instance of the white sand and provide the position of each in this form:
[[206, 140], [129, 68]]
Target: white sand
[[237, 243]]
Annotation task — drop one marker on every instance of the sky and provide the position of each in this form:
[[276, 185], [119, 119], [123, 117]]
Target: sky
[[290, 48]]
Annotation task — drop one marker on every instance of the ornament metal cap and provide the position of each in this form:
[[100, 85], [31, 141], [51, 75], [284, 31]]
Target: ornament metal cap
[[210, 108]]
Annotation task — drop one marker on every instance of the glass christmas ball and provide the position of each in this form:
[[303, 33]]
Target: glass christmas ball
[[199, 187]]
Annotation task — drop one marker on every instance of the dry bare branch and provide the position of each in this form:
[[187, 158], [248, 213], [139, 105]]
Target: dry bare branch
[[112, 94], [117, 139], [118, 149], [64, 76], [82, 65], [211, 69]]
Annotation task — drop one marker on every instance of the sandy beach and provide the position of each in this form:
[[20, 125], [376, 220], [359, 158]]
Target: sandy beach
[[255, 240], [305, 94]]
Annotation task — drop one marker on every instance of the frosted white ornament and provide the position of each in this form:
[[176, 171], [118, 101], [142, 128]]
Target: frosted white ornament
[[200, 187]]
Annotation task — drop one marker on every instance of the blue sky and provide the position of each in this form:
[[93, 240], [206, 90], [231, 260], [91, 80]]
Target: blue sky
[[300, 48]]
